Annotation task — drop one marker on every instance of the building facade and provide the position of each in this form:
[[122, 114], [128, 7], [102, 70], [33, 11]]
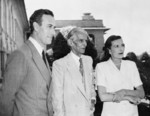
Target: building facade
[[95, 28], [13, 27]]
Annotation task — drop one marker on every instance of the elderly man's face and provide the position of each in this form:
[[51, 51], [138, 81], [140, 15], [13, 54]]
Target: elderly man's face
[[79, 43]]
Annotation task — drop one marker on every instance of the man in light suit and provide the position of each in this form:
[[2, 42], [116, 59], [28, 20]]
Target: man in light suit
[[27, 78], [72, 91]]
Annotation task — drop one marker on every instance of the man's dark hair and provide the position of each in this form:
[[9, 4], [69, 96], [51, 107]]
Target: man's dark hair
[[37, 17]]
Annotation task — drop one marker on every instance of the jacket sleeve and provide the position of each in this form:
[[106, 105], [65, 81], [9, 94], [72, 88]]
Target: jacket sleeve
[[57, 89], [13, 76], [93, 93]]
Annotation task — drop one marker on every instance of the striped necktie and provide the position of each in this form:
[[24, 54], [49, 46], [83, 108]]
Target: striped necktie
[[82, 72], [81, 66]]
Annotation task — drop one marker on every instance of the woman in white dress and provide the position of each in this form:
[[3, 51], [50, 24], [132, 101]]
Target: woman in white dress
[[118, 81]]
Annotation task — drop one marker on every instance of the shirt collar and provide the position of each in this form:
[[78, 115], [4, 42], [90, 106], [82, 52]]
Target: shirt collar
[[112, 63], [110, 60], [75, 57], [37, 45]]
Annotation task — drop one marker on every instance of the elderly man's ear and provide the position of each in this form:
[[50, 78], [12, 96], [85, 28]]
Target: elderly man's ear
[[70, 42]]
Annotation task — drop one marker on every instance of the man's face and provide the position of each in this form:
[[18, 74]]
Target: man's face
[[79, 43], [46, 31]]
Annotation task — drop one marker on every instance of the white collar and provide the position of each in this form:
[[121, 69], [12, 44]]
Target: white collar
[[37, 45], [75, 57]]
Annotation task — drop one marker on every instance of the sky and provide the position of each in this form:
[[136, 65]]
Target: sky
[[128, 18]]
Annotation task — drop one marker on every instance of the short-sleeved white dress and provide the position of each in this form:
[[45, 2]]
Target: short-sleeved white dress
[[109, 76]]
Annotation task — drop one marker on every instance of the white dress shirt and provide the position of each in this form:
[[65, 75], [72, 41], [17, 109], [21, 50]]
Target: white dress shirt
[[37, 45], [76, 58]]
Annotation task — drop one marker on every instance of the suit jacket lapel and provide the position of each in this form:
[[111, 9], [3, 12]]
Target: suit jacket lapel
[[75, 75], [86, 74], [40, 63]]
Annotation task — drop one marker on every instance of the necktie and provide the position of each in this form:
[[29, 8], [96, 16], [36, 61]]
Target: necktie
[[81, 66], [82, 72], [44, 57]]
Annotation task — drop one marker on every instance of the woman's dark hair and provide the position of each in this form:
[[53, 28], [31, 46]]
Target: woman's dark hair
[[107, 46], [37, 17]]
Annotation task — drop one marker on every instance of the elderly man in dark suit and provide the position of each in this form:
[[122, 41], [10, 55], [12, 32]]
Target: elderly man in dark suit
[[27, 77]]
